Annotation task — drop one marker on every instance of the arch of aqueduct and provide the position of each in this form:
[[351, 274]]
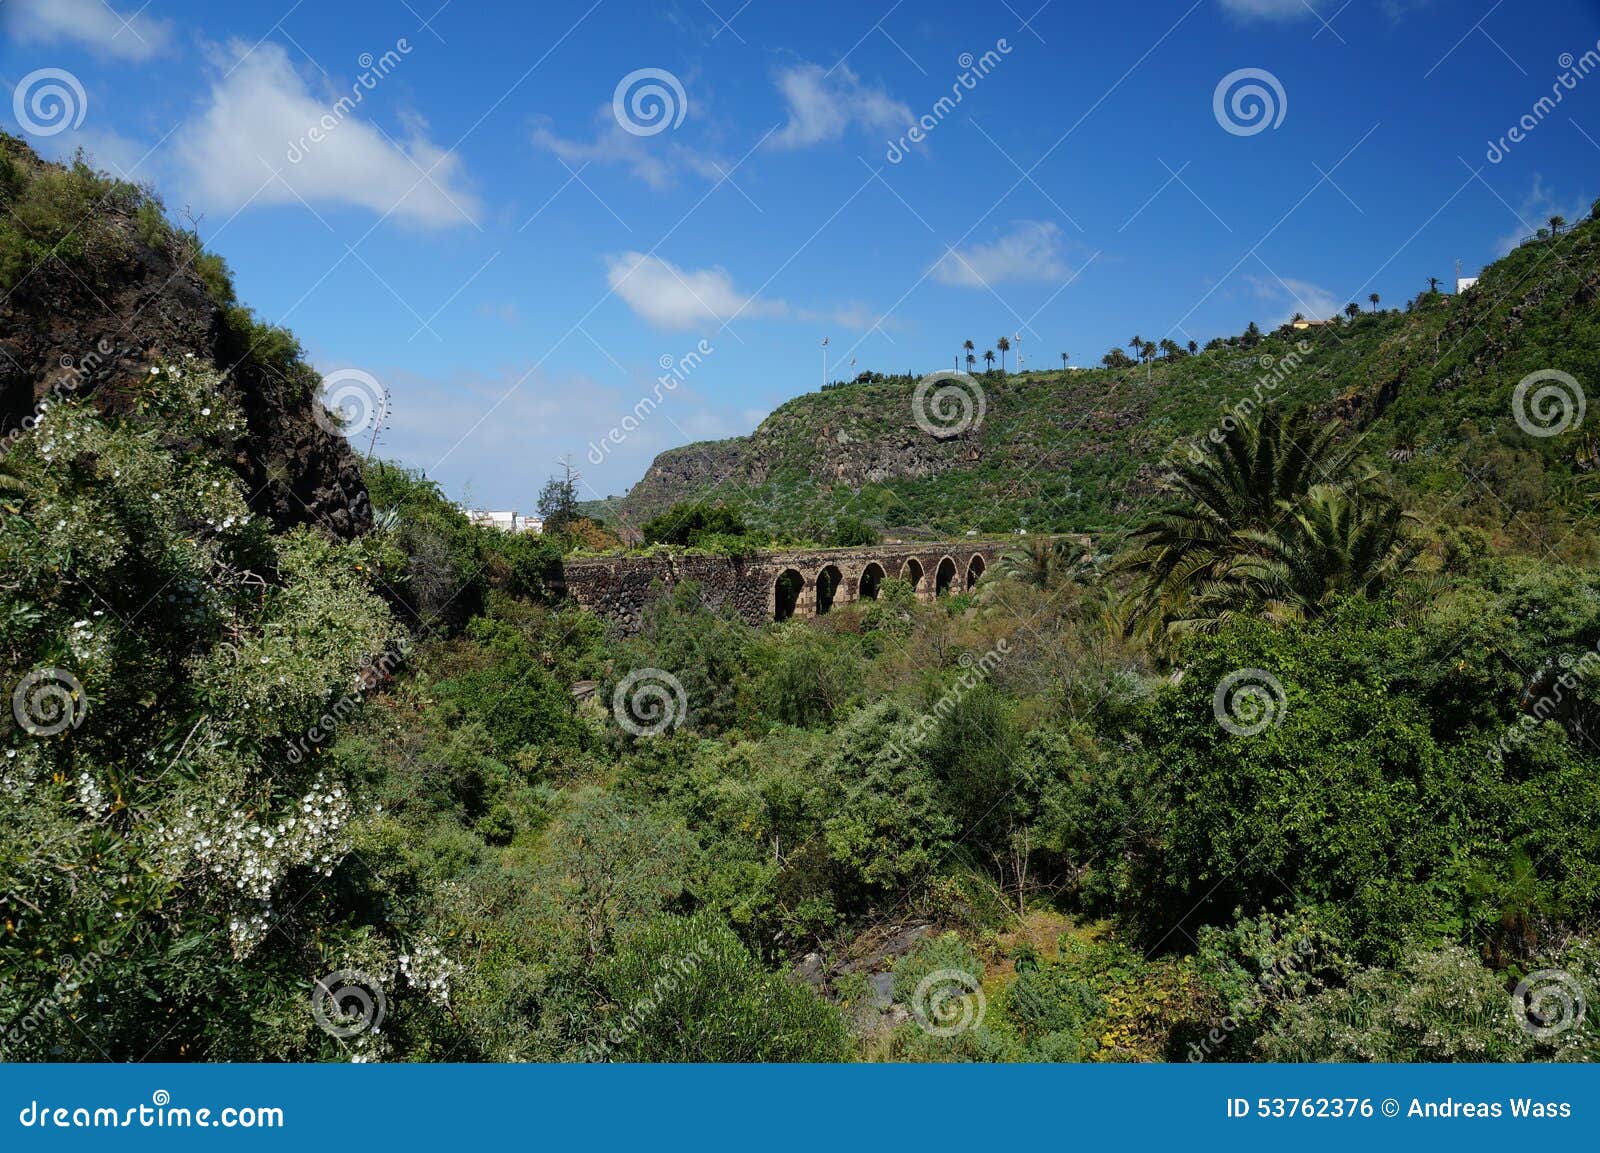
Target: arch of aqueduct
[[777, 585]]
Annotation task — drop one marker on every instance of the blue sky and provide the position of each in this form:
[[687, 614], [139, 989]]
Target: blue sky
[[513, 248]]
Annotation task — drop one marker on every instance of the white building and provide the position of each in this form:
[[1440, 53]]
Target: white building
[[508, 521], [1465, 282]]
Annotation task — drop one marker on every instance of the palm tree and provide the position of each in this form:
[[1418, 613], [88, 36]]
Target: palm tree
[[971, 360], [968, 347], [1352, 310], [1004, 345], [1374, 298], [988, 360], [1169, 348], [1063, 362], [1557, 223], [1264, 497], [1042, 562], [1193, 348], [1137, 343], [1334, 541], [1297, 317]]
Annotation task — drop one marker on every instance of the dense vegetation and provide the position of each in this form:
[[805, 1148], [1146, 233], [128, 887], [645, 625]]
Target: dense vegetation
[[1025, 822]]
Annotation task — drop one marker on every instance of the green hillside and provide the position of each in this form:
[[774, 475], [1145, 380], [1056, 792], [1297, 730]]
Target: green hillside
[[1080, 450]]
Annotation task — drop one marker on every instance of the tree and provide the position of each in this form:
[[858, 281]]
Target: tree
[[1252, 335], [967, 347], [1137, 344], [1557, 223], [1374, 298], [1433, 284], [691, 522], [687, 989], [1352, 310], [1041, 562], [972, 362], [1170, 349], [1116, 358], [988, 359], [1193, 348], [1063, 362], [1004, 345], [558, 500], [1277, 514]]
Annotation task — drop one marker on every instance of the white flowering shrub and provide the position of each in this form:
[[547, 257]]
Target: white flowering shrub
[[165, 652]]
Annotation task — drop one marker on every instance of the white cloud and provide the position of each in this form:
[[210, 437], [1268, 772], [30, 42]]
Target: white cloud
[[1310, 300], [1535, 212], [671, 297], [500, 460], [104, 30], [1032, 250], [1269, 9], [823, 105], [261, 113], [651, 159]]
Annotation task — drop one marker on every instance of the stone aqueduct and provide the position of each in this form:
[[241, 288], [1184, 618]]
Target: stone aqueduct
[[777, 585]]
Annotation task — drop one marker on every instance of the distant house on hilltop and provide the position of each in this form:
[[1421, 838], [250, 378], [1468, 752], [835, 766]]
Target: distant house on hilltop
[[508, 521], [1302, 322]]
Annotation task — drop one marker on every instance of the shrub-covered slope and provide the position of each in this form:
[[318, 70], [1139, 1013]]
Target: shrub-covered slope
[[1080, 450]]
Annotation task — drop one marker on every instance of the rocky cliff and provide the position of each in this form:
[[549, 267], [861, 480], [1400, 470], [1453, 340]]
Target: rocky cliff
[[96, 287]]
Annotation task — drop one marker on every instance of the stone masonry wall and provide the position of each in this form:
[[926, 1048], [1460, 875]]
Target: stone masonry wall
[[619, 589]]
